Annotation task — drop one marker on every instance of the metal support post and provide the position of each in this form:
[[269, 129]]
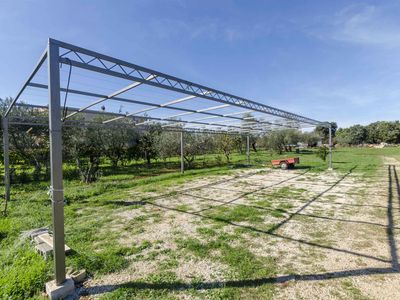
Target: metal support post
[[6, 154], [248, 149], [330, 147], [57, 193], [182, 162]]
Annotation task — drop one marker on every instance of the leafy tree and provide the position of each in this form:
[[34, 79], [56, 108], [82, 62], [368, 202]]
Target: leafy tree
[[192, 147], [357, 134], [282, 140], [275, 141], [353, 135], [85, 147], [291, 137], [147, 142], [226, 143], [373, 133], [322, 152], [28, 144], [310, 138], [382, 131], [116, 143], [168, 144], [324, 132]]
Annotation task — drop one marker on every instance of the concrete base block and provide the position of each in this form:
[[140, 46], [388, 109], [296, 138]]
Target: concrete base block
[[56, 292], [78, 276], [45, 250]]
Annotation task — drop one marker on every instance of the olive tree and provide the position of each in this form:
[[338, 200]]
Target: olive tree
[[28, 144], [167, 144], [275, 141], [192, 147], [147, 142], [323, 131], [226, 143], [84, 146]]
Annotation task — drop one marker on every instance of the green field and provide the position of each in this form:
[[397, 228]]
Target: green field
[[90, 206]]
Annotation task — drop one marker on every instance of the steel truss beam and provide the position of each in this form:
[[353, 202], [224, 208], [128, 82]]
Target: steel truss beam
[[111, 66]]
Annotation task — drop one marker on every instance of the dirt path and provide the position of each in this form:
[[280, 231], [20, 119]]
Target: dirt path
[[330, 235]]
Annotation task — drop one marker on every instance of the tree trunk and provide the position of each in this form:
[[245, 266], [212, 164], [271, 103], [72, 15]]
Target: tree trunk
[[253, 145]]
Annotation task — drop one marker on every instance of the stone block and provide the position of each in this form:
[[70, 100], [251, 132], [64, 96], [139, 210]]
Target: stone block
[[62, 291]]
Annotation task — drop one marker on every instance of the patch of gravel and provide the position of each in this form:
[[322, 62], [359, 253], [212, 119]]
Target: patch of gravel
[[205, 269], [96, 287], [361, 249], [336, 229]]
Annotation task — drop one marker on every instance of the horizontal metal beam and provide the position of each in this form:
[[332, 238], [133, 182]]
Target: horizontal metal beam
[[95, 112], [163, 105], [142, 118], [108, 97], [121, 116], [81, 123], [191, 122], [69, 108], [198, 111]]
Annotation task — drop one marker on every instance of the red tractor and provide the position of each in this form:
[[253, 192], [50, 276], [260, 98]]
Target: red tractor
[[285, 163]]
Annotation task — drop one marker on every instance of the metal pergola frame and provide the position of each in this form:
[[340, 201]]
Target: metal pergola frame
[[58, 52]]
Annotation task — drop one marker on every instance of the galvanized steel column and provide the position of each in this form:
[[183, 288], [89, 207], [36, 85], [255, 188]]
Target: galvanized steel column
[[330, 147], [6, 154], [248, 150], [182, 162], [57, 193]]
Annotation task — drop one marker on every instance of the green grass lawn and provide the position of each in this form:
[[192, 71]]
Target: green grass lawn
[[23, 272]]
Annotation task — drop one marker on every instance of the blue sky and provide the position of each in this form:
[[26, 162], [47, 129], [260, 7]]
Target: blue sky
[[329, 60]]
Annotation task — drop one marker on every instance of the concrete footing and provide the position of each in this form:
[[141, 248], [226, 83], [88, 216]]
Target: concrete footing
[[56, 292]]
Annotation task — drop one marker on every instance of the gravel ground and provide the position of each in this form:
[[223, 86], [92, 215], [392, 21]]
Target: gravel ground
[[335, 240]]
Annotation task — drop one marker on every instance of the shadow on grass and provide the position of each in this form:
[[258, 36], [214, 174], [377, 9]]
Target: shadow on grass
[[303, 167], [176, 286], [179, 286]]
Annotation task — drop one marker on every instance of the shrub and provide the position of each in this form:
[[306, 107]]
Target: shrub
[[322, 152]]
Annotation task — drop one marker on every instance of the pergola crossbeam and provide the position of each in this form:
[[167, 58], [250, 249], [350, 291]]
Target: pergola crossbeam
[[153, 105], [83, 123], [164, 105], [102, 99]]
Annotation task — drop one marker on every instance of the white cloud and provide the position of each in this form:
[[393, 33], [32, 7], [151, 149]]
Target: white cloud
[[363, 24]]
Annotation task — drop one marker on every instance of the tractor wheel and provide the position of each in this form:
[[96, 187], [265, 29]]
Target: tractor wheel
[[291, 166], [284, 165]]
